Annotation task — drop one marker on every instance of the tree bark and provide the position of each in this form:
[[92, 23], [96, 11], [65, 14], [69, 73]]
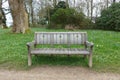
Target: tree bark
[[31, 11], [2, 16], [74, 3], [19, 15], [48, 13], [88, 11], [114, 1], [67, 3], [91, 8], [54, 3], [107, 3]]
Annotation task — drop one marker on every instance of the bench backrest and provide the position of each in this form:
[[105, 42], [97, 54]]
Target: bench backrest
[[60, 37]]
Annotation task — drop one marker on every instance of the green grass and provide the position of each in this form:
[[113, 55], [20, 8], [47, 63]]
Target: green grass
[[106, 54]]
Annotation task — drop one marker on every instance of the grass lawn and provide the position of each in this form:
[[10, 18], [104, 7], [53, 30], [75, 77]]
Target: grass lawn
[[106, 54]]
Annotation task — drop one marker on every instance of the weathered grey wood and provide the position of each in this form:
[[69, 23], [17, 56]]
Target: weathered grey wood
[[88, 46], [90, 60], [29, 44], [45, 37], [29, 59], [59, 51], [53, 38], [29, 53], [68, 40]]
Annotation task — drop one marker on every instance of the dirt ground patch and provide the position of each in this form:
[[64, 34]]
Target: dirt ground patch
[[57, 73]]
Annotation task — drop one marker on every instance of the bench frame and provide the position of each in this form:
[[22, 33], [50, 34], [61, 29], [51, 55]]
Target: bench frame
[[88, 47]]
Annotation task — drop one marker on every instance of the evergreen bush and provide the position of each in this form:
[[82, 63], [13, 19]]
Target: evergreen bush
[[110, 18]]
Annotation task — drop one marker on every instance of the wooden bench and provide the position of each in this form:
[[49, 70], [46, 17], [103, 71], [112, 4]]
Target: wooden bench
[[65, 38]]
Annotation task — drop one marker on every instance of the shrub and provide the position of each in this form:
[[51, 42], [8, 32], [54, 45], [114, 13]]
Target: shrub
[[69, 16], [87, 24], [42, 21], [61, 4], [54, 26], [61, 15], [110, 18], [51, 25]]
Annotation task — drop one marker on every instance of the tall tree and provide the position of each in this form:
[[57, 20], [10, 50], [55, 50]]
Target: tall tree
[[74, 3], [1, 12], [2, 16], [114, 1], [29, 8], [19, 15], [107, 3], [88, 11], [31, 11], [91, 9], [54, 3], [67, 3], [47, 5]]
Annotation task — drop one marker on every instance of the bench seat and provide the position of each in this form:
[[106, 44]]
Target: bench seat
[[69, 51]]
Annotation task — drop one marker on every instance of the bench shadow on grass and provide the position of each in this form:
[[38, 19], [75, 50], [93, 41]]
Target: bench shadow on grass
[[59, 60]]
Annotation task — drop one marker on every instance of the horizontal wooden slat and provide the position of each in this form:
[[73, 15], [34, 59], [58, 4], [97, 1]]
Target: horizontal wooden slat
[[59, 51], [78, 51], [49, 51]]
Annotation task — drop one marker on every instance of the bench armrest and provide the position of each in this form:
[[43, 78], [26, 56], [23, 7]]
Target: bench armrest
[[89, 45], [30, 45]]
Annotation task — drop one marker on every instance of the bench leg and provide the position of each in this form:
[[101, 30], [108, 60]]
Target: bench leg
[[84, 56], [36, 55], [90, 60], [68, 55], [29, 59]]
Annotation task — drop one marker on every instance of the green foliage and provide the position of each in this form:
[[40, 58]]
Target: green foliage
[[35, 25], [28, 31], [51, 24], [43, 21], [62, 4], [86, 24], [110, 18], [61, 15], [55, 26], [69, 16], [51, 11]]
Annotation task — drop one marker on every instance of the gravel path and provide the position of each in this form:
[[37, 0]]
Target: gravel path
[[57, 73]]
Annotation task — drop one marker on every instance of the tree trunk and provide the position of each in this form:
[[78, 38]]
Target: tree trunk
[[54, 3], [2, 16], [48, 10], [19, 15], [91, 8], [1, 12], [88, 12], [67, 3], [107, 3], [114, 1], [74, 4], [31, 11]]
